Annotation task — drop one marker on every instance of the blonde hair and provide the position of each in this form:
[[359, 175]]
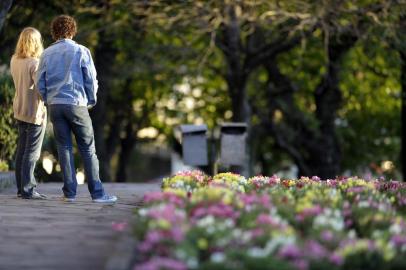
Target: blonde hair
[[29, 44]]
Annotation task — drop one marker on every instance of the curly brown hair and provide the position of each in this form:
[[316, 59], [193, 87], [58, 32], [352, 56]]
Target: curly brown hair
[[63, 26]]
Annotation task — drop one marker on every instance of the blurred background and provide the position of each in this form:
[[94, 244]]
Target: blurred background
[[321, 84]]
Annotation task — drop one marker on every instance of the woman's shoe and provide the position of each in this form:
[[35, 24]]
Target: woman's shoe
[[35, 195]]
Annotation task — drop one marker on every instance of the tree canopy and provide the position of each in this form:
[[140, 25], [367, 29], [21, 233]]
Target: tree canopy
[[319, 83]]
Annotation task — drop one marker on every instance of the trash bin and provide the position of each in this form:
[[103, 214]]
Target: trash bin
[[233, 144], [194, 144]]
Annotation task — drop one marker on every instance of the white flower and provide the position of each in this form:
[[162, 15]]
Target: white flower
[[395, 229], [245, 237], [236, 233], [330, 218], [257, 252], [229, 223], [206, 221], [338, 224], [363, 204], [222, 242], [277, 241], [320, 220], [181, 254], [142, 212], [376, 234], [382, 207], [210, 230], [352, 234], [191, 263], [217, 257]]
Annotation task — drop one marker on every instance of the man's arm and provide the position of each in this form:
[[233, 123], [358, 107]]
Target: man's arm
[[40, 81], [89, 78]]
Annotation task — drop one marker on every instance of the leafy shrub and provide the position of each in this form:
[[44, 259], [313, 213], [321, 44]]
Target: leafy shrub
[[8, 132]]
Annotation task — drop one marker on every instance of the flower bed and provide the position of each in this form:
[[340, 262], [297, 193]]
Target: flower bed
[[229, 222]]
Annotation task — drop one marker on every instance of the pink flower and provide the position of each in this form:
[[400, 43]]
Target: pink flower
[[398, 240], [199, 176], [257, 232], [119, 226], [315, 250], [265, 219], [332, 183], [312, 211], [336, 259], [158, 196], [158, 263], [290, 252], [301, 264], [315, 178], [254, 198], [220, 210], [356, 189], [309, 212], [168, 213], [348, 223], [327, 236], [154, 238]]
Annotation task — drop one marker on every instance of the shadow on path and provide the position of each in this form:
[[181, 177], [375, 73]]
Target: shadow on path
[[52, 234]]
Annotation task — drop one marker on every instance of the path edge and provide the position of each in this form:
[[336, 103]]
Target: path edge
[[7, 179], [123, 256]]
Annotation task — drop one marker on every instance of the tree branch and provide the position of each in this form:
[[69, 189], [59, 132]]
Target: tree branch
[[5, 6]]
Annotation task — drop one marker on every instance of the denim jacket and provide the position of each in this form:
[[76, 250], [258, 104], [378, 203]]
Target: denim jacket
[[66, 75]]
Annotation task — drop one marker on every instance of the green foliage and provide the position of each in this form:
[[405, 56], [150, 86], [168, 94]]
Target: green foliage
[[369, 123], [8, 132]]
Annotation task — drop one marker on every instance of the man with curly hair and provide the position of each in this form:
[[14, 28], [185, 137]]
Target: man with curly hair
[[67, 82]]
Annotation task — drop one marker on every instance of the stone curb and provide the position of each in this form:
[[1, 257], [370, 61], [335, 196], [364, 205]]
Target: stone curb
[[7, 179], [123, 256]]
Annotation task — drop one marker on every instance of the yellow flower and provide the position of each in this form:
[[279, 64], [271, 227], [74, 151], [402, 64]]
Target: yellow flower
[[163, 224], [202, 243]]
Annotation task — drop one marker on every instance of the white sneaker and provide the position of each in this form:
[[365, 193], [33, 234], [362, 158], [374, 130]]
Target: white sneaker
[[106, 199], [35, 195]]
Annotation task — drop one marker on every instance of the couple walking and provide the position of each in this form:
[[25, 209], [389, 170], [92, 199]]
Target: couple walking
[[63, 80]]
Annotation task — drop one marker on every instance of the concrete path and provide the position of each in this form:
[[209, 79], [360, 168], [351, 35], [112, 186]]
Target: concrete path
[[56, 235]]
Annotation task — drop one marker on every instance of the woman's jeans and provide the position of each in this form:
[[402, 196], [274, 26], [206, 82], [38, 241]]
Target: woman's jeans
[[65, 120], [30, 137]]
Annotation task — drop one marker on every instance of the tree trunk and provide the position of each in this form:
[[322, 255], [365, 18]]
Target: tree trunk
[[5, 6], [325, 160], [127, 143], [403, 111], [316, 151], [239, 101], [236, 75], [127, 146], [236, 78], [104, 58]]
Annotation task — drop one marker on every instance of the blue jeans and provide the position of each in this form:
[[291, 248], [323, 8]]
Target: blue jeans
[[65, 120], [29, 144]]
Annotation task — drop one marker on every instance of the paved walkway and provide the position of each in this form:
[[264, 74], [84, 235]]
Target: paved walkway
[[56, 235]]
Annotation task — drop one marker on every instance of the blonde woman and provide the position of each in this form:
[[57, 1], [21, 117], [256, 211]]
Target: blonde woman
[[29, 111]]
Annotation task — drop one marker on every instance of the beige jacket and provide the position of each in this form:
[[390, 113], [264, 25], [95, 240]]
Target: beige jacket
[[27, 105]]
